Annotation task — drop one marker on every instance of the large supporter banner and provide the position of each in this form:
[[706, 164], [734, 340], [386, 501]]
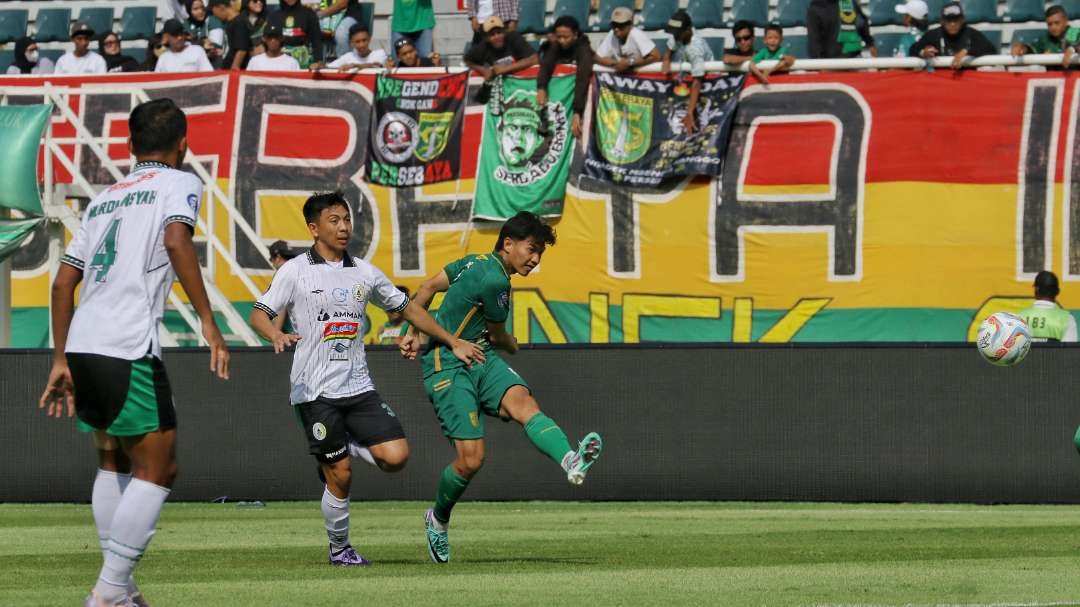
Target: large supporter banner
[[889, 206]]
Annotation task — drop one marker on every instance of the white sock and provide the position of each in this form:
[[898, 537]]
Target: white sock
[[132, 528], [336, 513], [108, 488], [569, 460], [355, 450]]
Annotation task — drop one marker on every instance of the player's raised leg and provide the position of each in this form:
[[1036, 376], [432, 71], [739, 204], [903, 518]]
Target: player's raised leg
[[542, 431]]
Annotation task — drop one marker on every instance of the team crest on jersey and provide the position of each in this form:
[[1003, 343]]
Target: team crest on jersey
[[340, 330], [318, 431], [358, 292], [504, 299]]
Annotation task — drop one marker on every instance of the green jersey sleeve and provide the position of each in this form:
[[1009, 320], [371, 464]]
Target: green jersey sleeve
[[454, 268], [495, 298]]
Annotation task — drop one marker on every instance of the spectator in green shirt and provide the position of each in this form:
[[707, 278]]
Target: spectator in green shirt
[[1045, 318], [415, 20], [774, 51], [1060, 37]]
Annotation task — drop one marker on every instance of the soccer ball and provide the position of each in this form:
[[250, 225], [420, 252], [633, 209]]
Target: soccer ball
[[1004, 339]]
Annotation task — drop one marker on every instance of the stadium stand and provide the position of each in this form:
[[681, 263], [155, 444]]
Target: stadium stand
[[887, 43], [1019, 11], [1026, 36], [575, 8], [603, 14], [661, 43], [717, 46], [100, 19], [754, 11], [6, 57], [935, 9], [792, 13], [138, 22], [655, 14], [51, 24], [981, 11], [883, 12], [994, 36], [13, 24], [531, 17], [1072, 7], [367, 14], [707, 13], [797, 45]]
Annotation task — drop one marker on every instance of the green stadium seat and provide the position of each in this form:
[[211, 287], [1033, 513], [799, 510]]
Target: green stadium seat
[[52, 54], [716, 43], [710, 13], [994, 36], [1072, 8], [656, 13], [52, 25], [575, 8], [1020, 11], [754, 11], [883, 12], [13, 23], [535, 44], [888, 44], [1027, 36], [603, 14], [798, 46], [661, 43], [138, 22], [531, 17], [792, 13], [935, 7], [99, 19], [981, 11], [6, 58]]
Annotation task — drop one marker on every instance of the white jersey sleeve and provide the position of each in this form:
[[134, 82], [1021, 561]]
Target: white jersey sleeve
[[280, 294], [182, 201], [384, 294], [77, 252], [1070, 331]]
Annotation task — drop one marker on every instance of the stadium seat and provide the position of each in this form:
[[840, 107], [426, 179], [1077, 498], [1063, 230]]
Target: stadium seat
[[798, 46], [52, 54], [6, 57], [1027, 35], [935, 7], [1072, 8], [981, 11], [994, 36], [12, 23], [603, 14], [710, 13], [754, 11], [52, 24], [575, 8], [535, 44], [655, 14], [1019, 11], [138, 22], [883, 12], [792, 13], [531, 17], [717, 46], [661, 43], [888, 43], [99, 19]]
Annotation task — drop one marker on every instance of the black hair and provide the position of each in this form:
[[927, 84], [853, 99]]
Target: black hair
[[772, 27], [526, 225], [320, 201], [357, 28], [1057, 9], [567, 21], [742, 25], [156, 126]]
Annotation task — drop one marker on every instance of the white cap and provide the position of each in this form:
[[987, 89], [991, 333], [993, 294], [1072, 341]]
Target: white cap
[[916, 8]]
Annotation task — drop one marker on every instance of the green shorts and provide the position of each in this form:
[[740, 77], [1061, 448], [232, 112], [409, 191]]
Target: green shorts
[[121, 397], [461, 394]]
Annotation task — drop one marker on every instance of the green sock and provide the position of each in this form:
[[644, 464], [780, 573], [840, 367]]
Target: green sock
[[451, 486], [548, 437]]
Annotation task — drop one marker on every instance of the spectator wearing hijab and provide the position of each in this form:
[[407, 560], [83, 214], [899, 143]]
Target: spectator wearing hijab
[[255, 14], [115, 60], [28, 60]]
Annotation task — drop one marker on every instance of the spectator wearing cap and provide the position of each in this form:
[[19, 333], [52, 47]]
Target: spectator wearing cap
[[362, 55], [27, 60], [409, 56], [837, 29], [113, 53], [300, 30], [955, 37], [567, 46], [1045, 318], [237, 41], [275, 59], [1060, 37], [626, 48], [415, 20], [687, 47], [915, 14], [501, 52], [480, 10], [81, 60], [180, 55], [774, 50]]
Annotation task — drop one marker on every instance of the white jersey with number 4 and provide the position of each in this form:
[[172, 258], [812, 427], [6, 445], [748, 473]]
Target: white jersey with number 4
[[120, 248], [326, 303]]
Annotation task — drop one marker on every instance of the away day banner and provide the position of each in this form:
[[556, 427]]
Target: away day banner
[[526, 150], [838, 215], [638, 134], [416, 130]]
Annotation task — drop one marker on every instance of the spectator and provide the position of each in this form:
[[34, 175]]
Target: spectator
[[480, 10], [413, 19], [501, 52], [394, 328], [353, 15], [1045, 318], [255, 15], [568, 45], [275, 59], [81, 60], [686, 47], [915, 13], [237, 34], [180, 55], [743, 51], [154, 49], [196, 24], [301, 35], [115, 60], [27, 60], [774, 51], [1060, 37], [837, 29], [954, 37], [626, 47], [408, 56], [280, 252], [361, 56]]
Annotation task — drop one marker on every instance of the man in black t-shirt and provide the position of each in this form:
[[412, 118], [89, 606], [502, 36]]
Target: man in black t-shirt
[[955, 37], [501, 52], [237, 35]]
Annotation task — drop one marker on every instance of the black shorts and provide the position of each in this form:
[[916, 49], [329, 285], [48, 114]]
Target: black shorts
[[327, 423], [121, 397]]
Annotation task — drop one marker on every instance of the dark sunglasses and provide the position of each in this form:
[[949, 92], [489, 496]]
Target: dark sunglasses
[[743, 38]]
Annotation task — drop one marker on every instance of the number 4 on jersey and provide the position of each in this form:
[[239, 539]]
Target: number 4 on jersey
[[105, 252]]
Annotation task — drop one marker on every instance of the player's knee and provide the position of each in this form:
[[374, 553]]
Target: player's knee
[[471, 463], [394, 461]]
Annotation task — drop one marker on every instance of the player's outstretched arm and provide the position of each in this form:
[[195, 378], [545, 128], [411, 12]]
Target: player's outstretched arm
[[59, 391], [500, 339], [439, 283], [186, 264], [265, 327], [466, 351]]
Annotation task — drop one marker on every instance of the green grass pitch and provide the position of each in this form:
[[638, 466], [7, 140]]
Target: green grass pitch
[[544, 553]]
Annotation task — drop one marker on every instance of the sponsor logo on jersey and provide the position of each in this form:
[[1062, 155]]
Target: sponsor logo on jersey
[[123, 185], [340, 295], [339, 351], [340, 330], [323, 316]]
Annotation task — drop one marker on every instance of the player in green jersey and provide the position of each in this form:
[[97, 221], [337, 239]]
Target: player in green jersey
[[475, 308]]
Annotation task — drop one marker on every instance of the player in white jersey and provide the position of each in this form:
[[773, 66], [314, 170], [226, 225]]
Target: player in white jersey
[[325, 292], [135, 239]]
